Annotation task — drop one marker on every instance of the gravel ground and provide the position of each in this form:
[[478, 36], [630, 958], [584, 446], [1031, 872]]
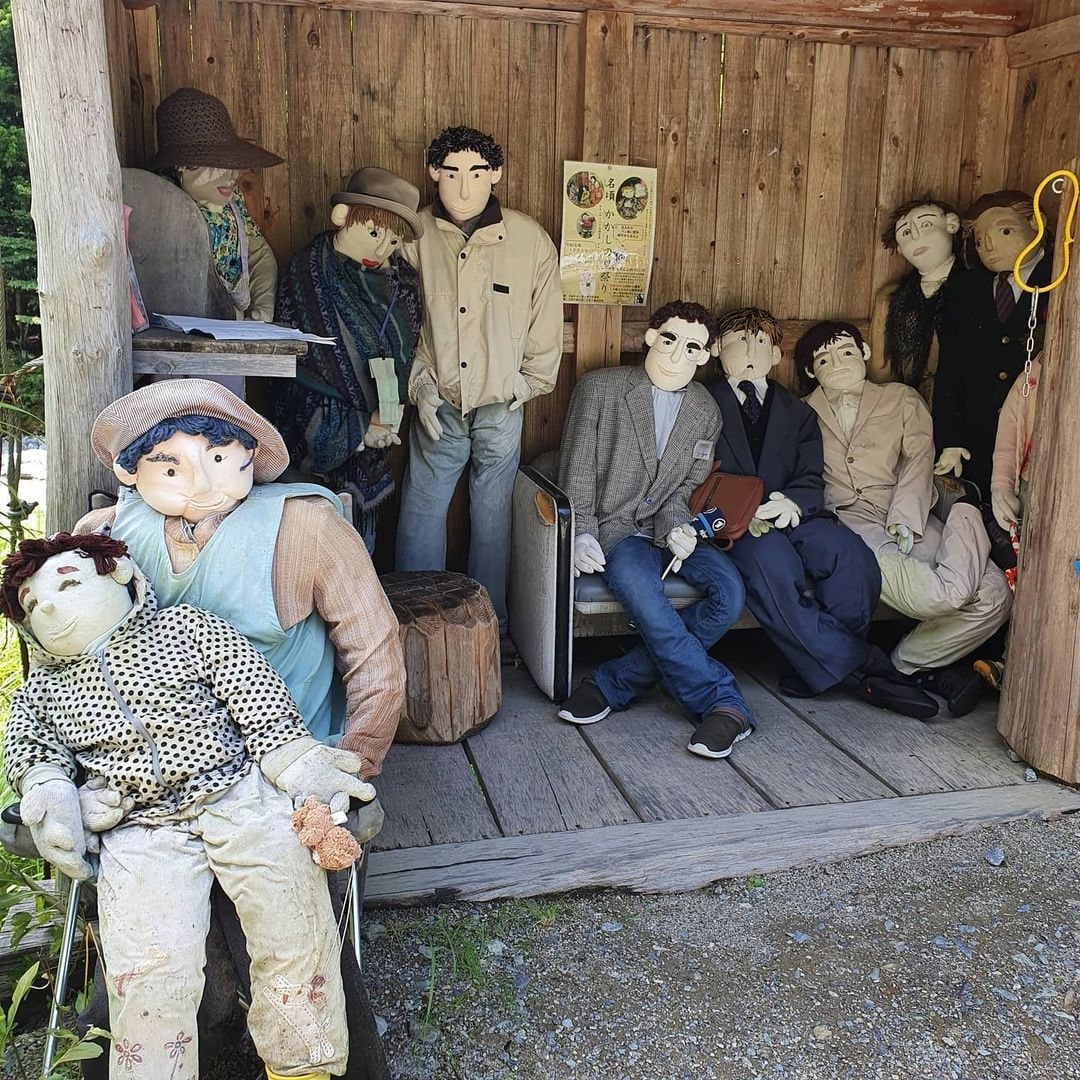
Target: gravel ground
[[921, 962]]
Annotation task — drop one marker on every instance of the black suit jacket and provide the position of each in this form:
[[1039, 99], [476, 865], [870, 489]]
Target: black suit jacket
[[791, 457], [979, 359]]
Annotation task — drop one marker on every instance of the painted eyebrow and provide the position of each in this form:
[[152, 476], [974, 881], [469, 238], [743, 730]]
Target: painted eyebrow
[[67, 569], [172, 459]]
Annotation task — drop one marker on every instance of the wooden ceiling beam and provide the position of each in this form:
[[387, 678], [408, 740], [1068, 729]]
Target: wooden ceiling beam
[[1049, 42]]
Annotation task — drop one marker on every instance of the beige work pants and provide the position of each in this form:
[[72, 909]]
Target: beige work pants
[[950, 585], [154, 906]]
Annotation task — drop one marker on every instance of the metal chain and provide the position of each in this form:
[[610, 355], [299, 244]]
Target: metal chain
[[1030, 343]]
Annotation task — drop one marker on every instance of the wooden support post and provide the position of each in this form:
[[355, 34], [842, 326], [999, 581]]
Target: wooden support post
[[1040, 709], [607, 54], [82, 268]]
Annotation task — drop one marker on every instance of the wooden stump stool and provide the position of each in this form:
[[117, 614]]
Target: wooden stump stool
[[450, 637]]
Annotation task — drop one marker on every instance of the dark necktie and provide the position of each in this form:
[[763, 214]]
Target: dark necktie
[[751, 406], [1004, 300]]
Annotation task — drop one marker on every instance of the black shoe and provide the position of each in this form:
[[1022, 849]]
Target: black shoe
[[877, 662], [793, 686], [896, 695], [959, 684], [585, 705], [718, 733]]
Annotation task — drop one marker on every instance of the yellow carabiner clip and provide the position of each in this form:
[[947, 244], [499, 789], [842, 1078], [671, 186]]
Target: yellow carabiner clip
[[1059, 175]]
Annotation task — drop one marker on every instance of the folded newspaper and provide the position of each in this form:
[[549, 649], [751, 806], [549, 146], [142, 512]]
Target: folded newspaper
[[235, 329]]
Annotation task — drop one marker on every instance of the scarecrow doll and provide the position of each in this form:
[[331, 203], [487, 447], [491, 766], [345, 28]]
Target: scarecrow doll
[[340, 414], [199, 147], [189, 724]]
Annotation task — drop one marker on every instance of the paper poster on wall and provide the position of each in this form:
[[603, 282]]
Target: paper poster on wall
[[608, 224]]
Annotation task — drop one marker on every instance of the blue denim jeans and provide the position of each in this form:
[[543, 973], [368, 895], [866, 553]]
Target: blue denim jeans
[[490, 438], [675, 644]]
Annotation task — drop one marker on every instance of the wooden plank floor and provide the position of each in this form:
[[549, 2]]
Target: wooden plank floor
[[532, 804]]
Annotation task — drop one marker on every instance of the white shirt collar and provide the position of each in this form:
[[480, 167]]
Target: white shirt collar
[[761, 386]]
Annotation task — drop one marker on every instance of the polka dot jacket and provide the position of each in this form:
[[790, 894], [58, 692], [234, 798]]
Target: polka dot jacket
[[174, 706]]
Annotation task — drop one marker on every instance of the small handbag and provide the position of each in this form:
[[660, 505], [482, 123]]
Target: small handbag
[[736, 497]]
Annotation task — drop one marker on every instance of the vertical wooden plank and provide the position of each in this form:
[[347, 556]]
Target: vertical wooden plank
[[859, 191], [937, 168], [490, 98], [789, 209], [671, 164], [607, 53], [988, 109], [898, 140], [731, 286], [819, 291], [117, 29], [145, 67], [703, 158], [759, 244], [644, 117], [176, 55]]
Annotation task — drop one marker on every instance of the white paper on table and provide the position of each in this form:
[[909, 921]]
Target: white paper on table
[[236, 329]]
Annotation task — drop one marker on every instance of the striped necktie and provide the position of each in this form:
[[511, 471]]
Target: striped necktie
[[1004, 300]]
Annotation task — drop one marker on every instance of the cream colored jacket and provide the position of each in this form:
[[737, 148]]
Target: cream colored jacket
[[492, 309], [884, 474]]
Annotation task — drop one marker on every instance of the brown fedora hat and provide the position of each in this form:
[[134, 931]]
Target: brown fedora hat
[[195, 130], [129, 418], [373, 186]]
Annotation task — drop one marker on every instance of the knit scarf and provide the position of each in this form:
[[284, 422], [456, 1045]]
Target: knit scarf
[[370, 313], [910, 325], [229, 247]]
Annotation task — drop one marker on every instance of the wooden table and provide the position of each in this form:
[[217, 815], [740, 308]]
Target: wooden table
[[169, 352]]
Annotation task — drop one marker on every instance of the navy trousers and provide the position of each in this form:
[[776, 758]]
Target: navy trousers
[[823, 637]]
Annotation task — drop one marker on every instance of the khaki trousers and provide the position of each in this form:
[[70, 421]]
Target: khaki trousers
[[154, 907]]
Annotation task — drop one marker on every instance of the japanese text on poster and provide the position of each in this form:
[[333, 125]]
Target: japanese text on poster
[[608, 224]]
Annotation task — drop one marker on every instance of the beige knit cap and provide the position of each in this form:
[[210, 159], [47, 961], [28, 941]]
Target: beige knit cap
[[128, 418]]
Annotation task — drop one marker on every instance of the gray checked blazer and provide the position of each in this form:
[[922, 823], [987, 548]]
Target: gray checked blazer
[[607, 463]]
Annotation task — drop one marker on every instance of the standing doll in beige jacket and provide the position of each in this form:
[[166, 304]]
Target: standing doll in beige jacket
[[491, 340]]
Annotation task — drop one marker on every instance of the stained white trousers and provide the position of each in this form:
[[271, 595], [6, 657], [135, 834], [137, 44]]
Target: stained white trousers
[[950, 585], [154, 907]]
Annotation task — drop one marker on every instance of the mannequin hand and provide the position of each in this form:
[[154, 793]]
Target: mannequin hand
[[903, 536], [379, 435], [681, 542], [780, 510], [51, 810], [101, 807], [588, 555], [952, 460], [427, 405], [262, 312], [1006, 507], [328, 775], [522, 392], [758, 527]]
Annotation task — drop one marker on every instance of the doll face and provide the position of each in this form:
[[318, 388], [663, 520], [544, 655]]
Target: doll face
[[1001, 233], [748, 354], [186, 477], [364, 242], [465, 181], [211, 187], [841, 364], [677, 349], [924, 236], [68, 604]]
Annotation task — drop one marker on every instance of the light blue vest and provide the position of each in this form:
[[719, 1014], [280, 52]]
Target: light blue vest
[[233, 577]]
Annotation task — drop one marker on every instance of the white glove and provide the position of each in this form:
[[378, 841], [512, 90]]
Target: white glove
[[905, 539], [522, 393], [101, 807], [305, 768], [757, 527], [952, 460], [51, 810], [379, 435], [1006, 506], [588, 555], [779, 510], [427, 405], [681, 542]]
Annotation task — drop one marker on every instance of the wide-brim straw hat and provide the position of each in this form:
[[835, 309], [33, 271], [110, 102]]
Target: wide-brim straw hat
[[195, 130], [372, 186], [129, 418]]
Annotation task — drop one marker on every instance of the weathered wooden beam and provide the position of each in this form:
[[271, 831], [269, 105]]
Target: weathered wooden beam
[[82, 266], [1056, 39], [267, 365], [686, 854], [1040, 708], [988, 115], [607, 64], [923, 18]]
